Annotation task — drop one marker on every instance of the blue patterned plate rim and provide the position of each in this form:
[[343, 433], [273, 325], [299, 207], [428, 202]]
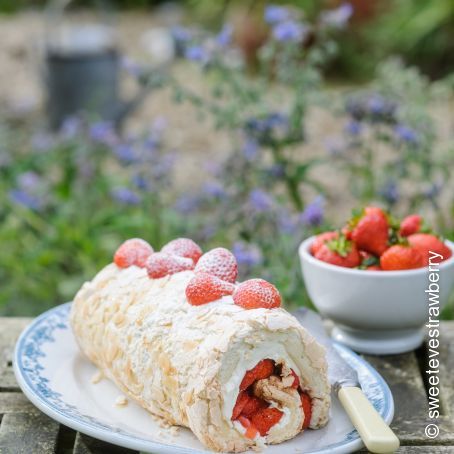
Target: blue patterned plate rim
[[28, 351]]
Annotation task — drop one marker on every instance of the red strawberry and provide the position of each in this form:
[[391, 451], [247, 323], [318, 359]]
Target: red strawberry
[[253, 405], [219, 262], [346, 232], [132, 252], [184, 247], [373, 268], [241, 402], [321, 239], [425, 242], [296, 381], [204, 288], [307, 408], [370, 210], [263, 369], [401, 257], [266, 418], [251, 431], [340, 252], [370, 231], [410, 224], [160, 264], [247, 405], [256, 293]]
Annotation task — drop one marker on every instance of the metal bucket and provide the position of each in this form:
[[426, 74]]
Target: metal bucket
[[78, 83]]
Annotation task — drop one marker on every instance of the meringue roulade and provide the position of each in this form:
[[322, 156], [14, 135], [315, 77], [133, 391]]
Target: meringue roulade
[[237, 377]]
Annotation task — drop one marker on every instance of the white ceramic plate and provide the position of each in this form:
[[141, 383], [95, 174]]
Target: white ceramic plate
[[57, 379]]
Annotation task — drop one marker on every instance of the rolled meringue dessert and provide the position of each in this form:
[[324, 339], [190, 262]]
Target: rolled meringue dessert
[[177, 333]]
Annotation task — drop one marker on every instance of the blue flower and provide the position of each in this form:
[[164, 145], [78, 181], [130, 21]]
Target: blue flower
[[372, 106], [214, 189], [271, 126], [103, 132], [390, 192], [224, 37], [276, 119], [353, 128], [187, 204], [126, 196], [23, 198], [260, 200], [140, 182], [250, 149], [159, 125], [276, 170], [287, 223], [406, 134], [197, 54], [131, 67], [289, 31], [28, 181], [247, 254], [70, 127], [313, 214], [338, 17], [376, 104], [163, 167], [181, 34], [214, 168], [433, 191], [125, 153], [274, 14]]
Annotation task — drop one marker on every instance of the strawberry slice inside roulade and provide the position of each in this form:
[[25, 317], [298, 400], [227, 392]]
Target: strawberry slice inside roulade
[[265, 392]]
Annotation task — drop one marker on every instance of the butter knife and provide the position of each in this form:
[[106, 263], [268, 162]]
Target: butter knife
[[375, 433]]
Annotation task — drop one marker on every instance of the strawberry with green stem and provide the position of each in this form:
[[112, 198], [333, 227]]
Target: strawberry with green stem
[[369, 230], [340, 252]]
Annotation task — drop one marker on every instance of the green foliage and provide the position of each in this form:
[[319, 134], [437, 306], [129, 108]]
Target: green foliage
[[60, 223], [68, 201]]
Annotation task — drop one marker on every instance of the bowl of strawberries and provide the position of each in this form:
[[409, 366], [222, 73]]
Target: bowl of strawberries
[[379, 279]]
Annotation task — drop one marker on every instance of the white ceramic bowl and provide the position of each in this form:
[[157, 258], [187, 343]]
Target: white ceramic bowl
[[377, 312]]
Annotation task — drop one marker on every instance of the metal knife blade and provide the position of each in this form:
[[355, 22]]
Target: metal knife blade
[[339, 372]]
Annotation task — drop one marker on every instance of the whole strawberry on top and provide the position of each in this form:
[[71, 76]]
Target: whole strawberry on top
[[373, 240]]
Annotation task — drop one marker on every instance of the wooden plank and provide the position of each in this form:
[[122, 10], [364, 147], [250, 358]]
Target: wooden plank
[[8, 381], [404, 375], [420, 450], [15, 403], [88, 445], [28, 433], [447, 367], [401, 372], [425, 450], [11, 329]]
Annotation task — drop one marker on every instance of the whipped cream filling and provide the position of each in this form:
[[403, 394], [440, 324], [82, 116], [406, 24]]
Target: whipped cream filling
[[248, 360]]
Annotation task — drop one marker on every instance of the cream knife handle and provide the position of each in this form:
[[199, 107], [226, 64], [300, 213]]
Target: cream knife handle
[[375, 433]]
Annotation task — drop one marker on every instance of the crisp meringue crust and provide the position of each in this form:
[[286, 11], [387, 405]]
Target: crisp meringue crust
[[184, 363]]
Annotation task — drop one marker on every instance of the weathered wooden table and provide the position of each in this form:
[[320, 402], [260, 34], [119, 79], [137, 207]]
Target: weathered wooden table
[[25, 430]]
